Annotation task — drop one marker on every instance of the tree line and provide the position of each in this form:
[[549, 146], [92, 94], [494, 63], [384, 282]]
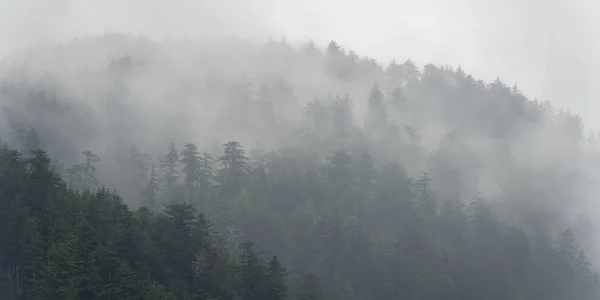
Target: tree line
[[344, 230]]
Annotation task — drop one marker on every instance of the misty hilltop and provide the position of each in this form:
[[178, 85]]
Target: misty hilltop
[[375, 180]]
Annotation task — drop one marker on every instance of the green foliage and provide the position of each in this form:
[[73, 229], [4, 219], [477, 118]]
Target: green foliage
[[233, 175], [198, 174], [149, 194], [83, 176], [366, 233], [337, 204], [170, 173]]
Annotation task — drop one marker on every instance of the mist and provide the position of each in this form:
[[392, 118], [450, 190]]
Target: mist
[[477, 104], [547, 47]]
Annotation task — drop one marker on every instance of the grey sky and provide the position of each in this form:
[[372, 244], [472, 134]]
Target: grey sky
[[548, 46]]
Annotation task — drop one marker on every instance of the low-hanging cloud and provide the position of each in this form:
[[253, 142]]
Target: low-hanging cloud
[[547, 47]]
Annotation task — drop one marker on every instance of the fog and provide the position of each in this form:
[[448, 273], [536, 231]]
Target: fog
[[548, 47], [124, 79]]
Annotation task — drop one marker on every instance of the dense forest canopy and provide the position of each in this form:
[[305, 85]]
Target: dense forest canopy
[[135, 169]]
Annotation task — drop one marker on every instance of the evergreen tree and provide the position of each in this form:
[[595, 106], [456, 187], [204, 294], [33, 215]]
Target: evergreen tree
[[150, 193], [277, 282], [82, 176], [309, 288], [31, 141], [198, 173], [252, 277], [234, 171], [170, 175], [376, 118], [138, 163]]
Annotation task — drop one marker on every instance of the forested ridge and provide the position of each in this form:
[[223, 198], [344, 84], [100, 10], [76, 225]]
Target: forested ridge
[[274, 172]]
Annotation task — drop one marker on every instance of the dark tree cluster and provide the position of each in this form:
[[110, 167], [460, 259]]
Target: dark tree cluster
[[61, 243], [345, 229]]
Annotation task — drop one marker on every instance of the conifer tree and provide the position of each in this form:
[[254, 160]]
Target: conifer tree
[[83, 176], [170, 173], [150, 193], [234, 171], [198, 173]]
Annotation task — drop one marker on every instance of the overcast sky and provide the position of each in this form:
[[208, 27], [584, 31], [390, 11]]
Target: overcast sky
[[549, 47]]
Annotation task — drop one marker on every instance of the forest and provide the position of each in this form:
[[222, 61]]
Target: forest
[[136, 169]]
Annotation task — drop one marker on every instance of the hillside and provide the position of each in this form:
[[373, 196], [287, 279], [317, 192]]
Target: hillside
[[365, 181]]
